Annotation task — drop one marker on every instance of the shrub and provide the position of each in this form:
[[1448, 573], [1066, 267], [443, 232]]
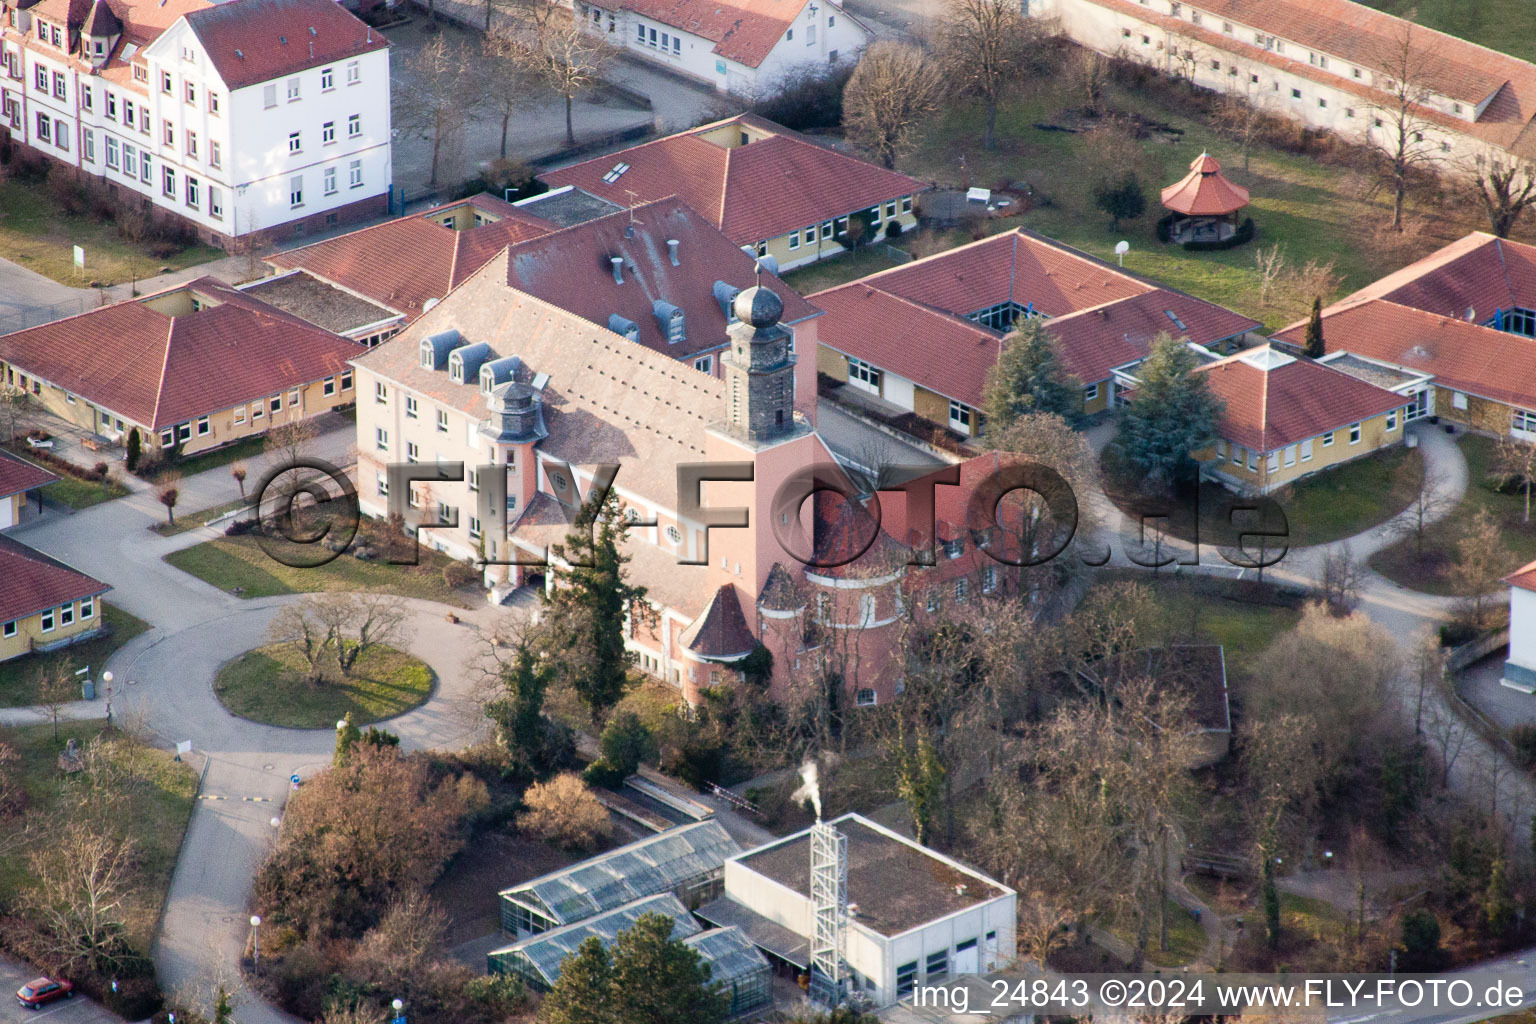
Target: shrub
[[893, 229], [135, 450], [68, 191], [1454, 634], [625, 742], [459, 574], [806, 100], [135, 998], [101, 469], [564, 811]]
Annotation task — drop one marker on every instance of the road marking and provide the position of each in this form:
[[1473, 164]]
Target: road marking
[[247, 799]]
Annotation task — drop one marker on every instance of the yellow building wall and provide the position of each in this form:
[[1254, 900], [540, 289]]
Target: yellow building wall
[[1480, 413], [1099, 403], [930, 405], [779, 249], [30, 629], [1374, 436]]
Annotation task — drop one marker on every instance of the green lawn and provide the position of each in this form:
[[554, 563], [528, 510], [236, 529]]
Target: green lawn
[[193, 520], [236, 451], [38, 235], [158, 795], [1352, 498], [836, 270], [1186, 939], [267, 685], [18, 677], [1507, 25], [1432, 573], [1310, 208], [71, 491], [231, 562]]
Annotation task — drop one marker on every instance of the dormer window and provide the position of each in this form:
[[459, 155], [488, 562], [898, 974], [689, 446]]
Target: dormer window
[[428, 355]]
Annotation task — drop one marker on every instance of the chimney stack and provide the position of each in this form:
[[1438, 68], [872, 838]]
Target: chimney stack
[[672, 250], [618, 268]]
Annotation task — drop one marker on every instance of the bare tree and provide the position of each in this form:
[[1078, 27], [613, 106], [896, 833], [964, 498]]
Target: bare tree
[[563, 55], [1481, 563], [1184, 56], [1430, 501], [373, 620], [168, 493], [239, 472], [1090, 73], [287, 443], [1283, 776], [1505, 190], [299, 628], [1515, 463], [55, 688], [1240, 120], [1399, 131], [1270, 264], [1341, 579], [984, 45], [564, 811], [892, 91], [437, 98], [13, 402], [1427, 664], [505, 80], [82, 876]]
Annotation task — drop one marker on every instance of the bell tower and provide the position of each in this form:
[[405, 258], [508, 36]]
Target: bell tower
[[759, 369]]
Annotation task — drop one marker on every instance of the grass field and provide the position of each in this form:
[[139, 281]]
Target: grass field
[[157, 795], [1352, 498], [1186, 939], [18, 677], [231, 562], [267, 685], [38, 236], [193, 520], [70, 491], [1433, 572], [1506, 25]]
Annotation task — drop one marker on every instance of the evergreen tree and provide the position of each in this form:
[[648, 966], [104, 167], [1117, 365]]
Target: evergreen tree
[[1314, 347], [583, 994], [519, 712], [348, 735], [1499, 901], [1122, 199], [625, 742], [589, 600], [1029, 377], [1172, 414], [647, 978], [135, 447], [658, 980]]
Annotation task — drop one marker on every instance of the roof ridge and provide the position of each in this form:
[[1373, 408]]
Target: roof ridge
[[165, 367]]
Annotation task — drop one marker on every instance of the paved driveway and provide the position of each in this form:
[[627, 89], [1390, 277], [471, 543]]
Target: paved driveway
[[79, 1010]]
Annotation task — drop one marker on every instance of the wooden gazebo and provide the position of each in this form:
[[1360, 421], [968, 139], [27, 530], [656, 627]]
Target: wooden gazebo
[[1204, 203]]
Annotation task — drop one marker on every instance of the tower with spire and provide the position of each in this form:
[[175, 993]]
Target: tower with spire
[[759, 369]]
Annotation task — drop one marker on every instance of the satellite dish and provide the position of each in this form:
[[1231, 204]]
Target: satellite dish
[[1122, 247]]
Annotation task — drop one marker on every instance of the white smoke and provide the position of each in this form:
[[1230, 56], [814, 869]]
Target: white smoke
[[810, 788]]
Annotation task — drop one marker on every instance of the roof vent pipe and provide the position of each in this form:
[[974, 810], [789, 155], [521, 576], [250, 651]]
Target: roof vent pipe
[[618, 268], [672, 250]]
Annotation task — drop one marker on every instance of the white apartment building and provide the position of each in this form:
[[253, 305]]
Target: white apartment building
[[1326, 63], [250, 116], [736, 46]]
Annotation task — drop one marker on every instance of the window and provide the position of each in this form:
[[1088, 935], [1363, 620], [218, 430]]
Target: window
[[354, 126], [295, 142], [215, 203], [88, 144], [296, 190], [257, 412], [474, 528], [44, 127], [1273, 462], [170, 134], [960, 416], [442, 421], [9, 630], [111, 105], [355, 174], [191, 93], [1306, 450], [794, 240], [203, 427], [276, 402], [674, 535], [61, 134], [327, 79], [1295, 94], [704, 364], [165, 82], [410, 407], [937, 965], [88, 608], [143, 118], [192, 192], [863, 375], [677, 44], [1236, 455], [1391, 421], [269, 96], [412, 452], [381, 439], [329, 179], [328, 133], [293, 89], [906, 979], [1328, 439], [328, 387], [1522, 421], [906, 204], [1091, 393], [962, 590], [1354, 433], [1458, 400], [354, 73], [346, 381], [472, 480], [640, 30], [381, 482], [865, 698], [40, 76], [380, 392], [48, 621], [169, 182], [240, 415], [666, 41], [1322, 102], [1290, 456], [789, 34], [192, 145], [213, 103], [293, 398], [215, 155]]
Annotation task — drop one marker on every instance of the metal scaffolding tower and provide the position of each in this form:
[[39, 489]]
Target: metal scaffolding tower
[[829, 902]]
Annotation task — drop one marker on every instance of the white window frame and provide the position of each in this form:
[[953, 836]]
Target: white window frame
[[1355, 434]]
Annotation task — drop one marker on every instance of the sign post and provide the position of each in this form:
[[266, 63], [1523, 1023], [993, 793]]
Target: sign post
[[79, 261]]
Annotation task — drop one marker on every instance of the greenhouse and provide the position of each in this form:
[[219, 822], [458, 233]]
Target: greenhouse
[[685, 862], [737, 966], [537, 960]]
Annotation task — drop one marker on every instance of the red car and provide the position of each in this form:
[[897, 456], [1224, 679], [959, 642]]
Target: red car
[[39, 992]]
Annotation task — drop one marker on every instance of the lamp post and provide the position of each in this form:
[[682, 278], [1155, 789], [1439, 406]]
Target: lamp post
[[399, 1008], [276, 823], [255, 940], [106, 682]]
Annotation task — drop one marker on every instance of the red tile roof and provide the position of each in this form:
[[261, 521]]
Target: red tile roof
[[752, 193], [571, 268], [1523, 577], [1204, 191], [1355, 33], [34, 582], [744, 31], [721, 631], [406, 262], [250, 41], [140, 23], [1417, 318], [1272, 400], [159, 370], [18, 475], [910, 319]]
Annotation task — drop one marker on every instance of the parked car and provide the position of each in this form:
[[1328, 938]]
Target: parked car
[[39, 992]]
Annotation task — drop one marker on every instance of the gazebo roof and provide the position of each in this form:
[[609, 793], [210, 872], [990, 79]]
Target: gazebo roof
[[1205, 191]]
